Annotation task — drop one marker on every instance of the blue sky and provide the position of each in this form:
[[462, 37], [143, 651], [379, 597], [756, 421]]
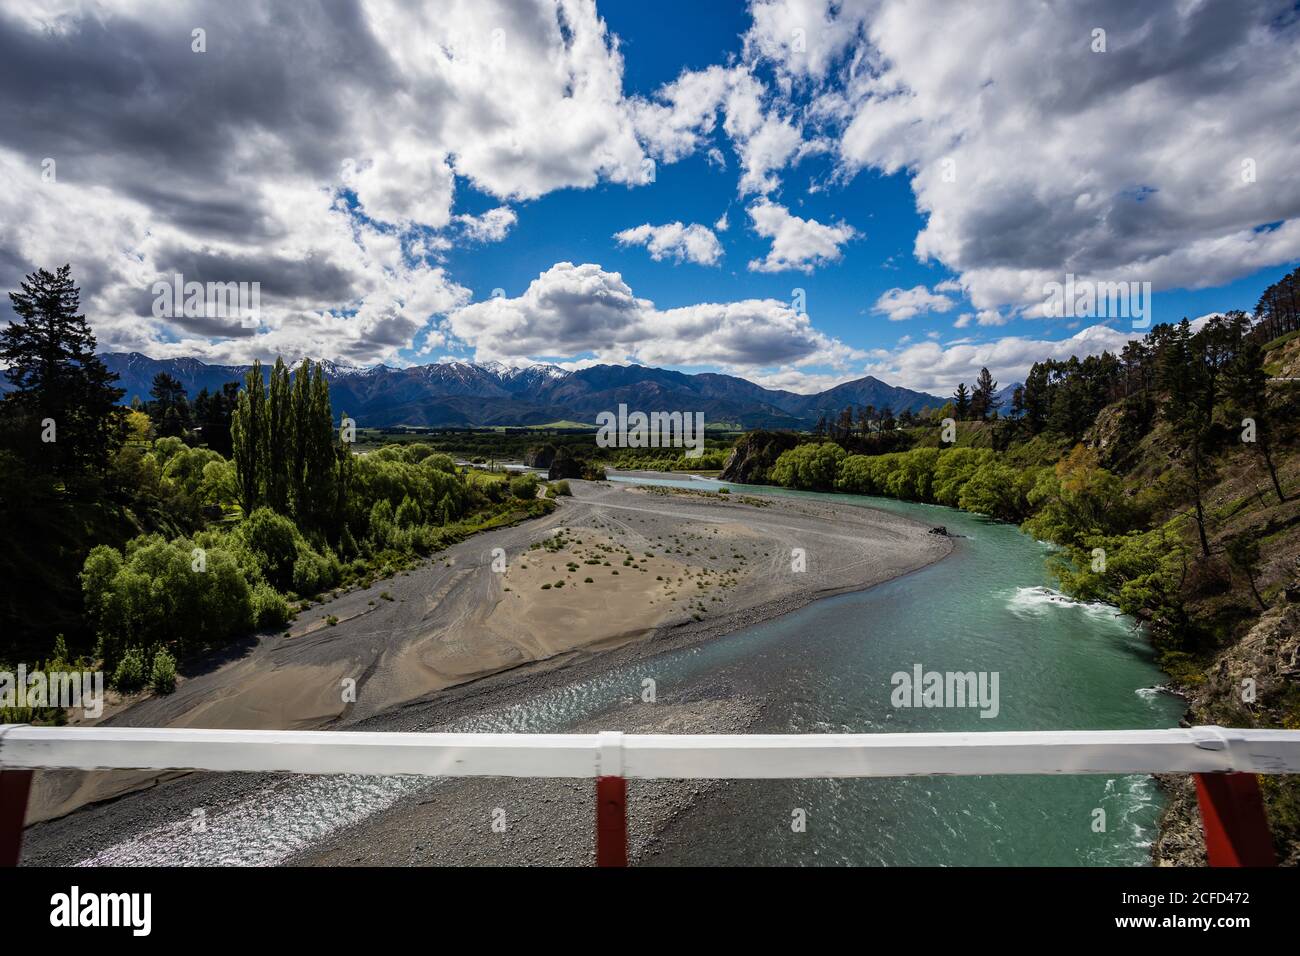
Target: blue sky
[[658, 43], [409, 185]]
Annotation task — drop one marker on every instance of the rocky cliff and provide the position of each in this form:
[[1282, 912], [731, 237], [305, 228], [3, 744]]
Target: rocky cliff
[[1253, 683], [754, 454]]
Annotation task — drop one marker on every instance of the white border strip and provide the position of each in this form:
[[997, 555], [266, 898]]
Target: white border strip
[[665, 756]]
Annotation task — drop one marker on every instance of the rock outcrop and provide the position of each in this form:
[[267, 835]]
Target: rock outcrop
[[1251, 684], [540, 456], [754, 454], [566, 465]]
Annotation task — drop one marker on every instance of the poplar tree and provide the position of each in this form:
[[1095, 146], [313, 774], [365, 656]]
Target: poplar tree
[[248, 439], [321, 459], [279, 438], [302, 434]]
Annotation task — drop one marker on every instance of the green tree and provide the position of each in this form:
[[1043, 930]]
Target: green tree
[[1190, 412], [961, 402], [983, 404], [809, 466], [248, 438], [1247, 387], [63, 391], [1243, 554], [322, 460], [170, 408], [301, 442], [279, 438]]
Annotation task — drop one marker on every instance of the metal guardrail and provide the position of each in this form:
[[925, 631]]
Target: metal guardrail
[[1224, 761]]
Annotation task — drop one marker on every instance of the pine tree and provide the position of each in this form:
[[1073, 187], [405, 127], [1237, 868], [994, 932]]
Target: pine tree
[[170, 409], [63, 390], [1037, 397], [1190, 412], [961, 402], [983, 404], [1247, 387], [212, 415]]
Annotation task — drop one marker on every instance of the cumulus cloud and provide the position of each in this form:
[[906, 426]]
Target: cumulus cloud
[[1157, 160], [316, 151], [572, 309], [937, 368], [693, 243], [492, 226], [683, 115], [900, 304], [797, 243]]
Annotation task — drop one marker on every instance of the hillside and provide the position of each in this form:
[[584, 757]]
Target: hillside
[[1179, 464]]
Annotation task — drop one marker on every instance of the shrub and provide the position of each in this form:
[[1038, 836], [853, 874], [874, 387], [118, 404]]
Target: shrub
[[269, 608], [525, 486], [128, 677], [313, 572], [162, 675], [136, 599], [408, 513], [809, 466], [557, 489], [273, 540]]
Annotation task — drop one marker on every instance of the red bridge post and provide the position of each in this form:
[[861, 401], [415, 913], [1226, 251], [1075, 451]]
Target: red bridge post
[[15, 785], [611, 821], [1232, 815]]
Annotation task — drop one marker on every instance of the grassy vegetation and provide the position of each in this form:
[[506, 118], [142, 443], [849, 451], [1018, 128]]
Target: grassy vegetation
[[491, 445]]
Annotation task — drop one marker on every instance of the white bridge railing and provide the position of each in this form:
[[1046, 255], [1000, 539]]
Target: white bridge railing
[[1224, 760]]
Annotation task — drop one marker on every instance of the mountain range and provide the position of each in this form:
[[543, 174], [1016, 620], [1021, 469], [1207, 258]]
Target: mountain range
[[466, 394]]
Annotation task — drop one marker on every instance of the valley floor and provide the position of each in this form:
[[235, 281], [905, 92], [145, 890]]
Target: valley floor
[[477, 629]]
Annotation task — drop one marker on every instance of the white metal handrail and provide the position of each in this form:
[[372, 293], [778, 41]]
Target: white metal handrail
[[648, 756]]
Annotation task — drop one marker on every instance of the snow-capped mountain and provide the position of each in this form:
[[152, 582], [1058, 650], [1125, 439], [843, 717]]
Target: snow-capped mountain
[[461, 394]]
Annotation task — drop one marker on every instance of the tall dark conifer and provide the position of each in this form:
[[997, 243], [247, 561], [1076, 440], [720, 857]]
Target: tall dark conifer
[[63, 413], [961, 402]]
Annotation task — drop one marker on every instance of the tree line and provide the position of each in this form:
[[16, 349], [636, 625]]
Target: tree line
[[144, 534]]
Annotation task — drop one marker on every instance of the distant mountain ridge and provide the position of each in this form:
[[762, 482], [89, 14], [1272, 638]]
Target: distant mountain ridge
[[468, 394]]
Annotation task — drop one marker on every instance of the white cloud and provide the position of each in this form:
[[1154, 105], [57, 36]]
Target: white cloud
[[572, 309], [1032, 156], [900, 304], [683, 116], [797, 243], [492, 226], [232, 168], [693, 243], [933, 367]]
